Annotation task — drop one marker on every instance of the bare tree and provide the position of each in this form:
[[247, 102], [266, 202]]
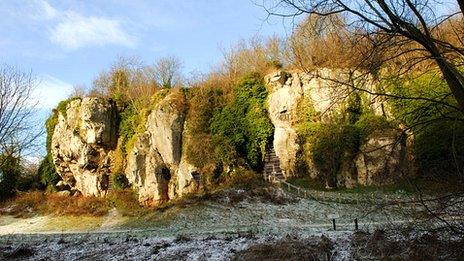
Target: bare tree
[[129, 80], [18, 130], [78, 91], [18, 134], [393, 24], [167, 72]]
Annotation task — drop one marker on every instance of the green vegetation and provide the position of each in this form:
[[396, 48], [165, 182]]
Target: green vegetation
[[328, 144], [242, 129], [120, 181], [9, 175], [331, 146], [438, 128], [47, 171]]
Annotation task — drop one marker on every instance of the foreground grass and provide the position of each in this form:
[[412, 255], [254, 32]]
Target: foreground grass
[[406, 187]]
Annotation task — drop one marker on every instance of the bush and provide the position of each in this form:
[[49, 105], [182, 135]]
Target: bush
[[439, 149], [120, 181], [242, 128], [438, 129], [129, 120], [368, 123], [333, 145], [10, 171], [47, 172]]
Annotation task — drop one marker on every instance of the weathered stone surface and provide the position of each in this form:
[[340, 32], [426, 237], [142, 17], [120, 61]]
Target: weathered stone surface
[[188, 178], [323, 90], [284, 96], [147, 172], [382, 159], [165, 125], [155, 167], [80, 144]]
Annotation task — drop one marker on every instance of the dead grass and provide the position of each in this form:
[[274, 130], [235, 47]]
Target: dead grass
[[388, 245], [289, 249], [30, 203], [24, 204], [75, 206], [125, 201]]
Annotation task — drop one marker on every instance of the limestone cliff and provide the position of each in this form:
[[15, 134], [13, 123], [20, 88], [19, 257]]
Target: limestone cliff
[[84, 140], [381, 159], [85, 134], [155, 167]]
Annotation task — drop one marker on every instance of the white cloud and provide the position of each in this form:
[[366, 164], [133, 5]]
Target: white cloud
[[34, 9], [75, 31], [45, 9], [50, 91]]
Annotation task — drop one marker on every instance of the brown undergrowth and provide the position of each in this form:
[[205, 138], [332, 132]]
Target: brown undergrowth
[[37, 202]]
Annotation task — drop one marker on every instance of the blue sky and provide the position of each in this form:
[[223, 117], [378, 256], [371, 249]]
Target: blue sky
[[66, 43]]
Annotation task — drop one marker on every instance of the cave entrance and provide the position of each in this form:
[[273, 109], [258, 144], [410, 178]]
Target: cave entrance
[[163, 177], [166, 174]]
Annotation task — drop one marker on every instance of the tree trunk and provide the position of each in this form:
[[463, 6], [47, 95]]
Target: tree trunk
[[461, 5], [454, 79]]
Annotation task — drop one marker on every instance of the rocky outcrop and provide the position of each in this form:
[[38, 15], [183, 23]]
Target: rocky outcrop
[[155, 167], [85, 137], [284, 95], [382, 158], [82, 138], [322, 90], [286, 92]]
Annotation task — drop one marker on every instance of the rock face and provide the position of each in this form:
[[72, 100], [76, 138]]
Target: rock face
[[155, 166], [86, 134], [382, 158], [284, 96], [81, 142], [321, 89], [287, 91]]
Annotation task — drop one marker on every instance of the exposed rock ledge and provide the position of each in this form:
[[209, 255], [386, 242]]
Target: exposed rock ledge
[[155, 166], [82, 140], [382, 157], [86, 135]]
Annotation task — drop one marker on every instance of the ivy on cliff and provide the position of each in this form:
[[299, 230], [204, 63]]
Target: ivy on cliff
[[242, 129]]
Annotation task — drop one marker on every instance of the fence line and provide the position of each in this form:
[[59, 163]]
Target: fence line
[[337, 197]]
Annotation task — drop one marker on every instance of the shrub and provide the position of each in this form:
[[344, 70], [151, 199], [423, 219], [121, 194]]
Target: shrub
[[47, 172], [9, 174], [129, 120], [438, 129], [354, 108], [368, 123], [332, 145], [439, 149], [119, 181], [242, 128]]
